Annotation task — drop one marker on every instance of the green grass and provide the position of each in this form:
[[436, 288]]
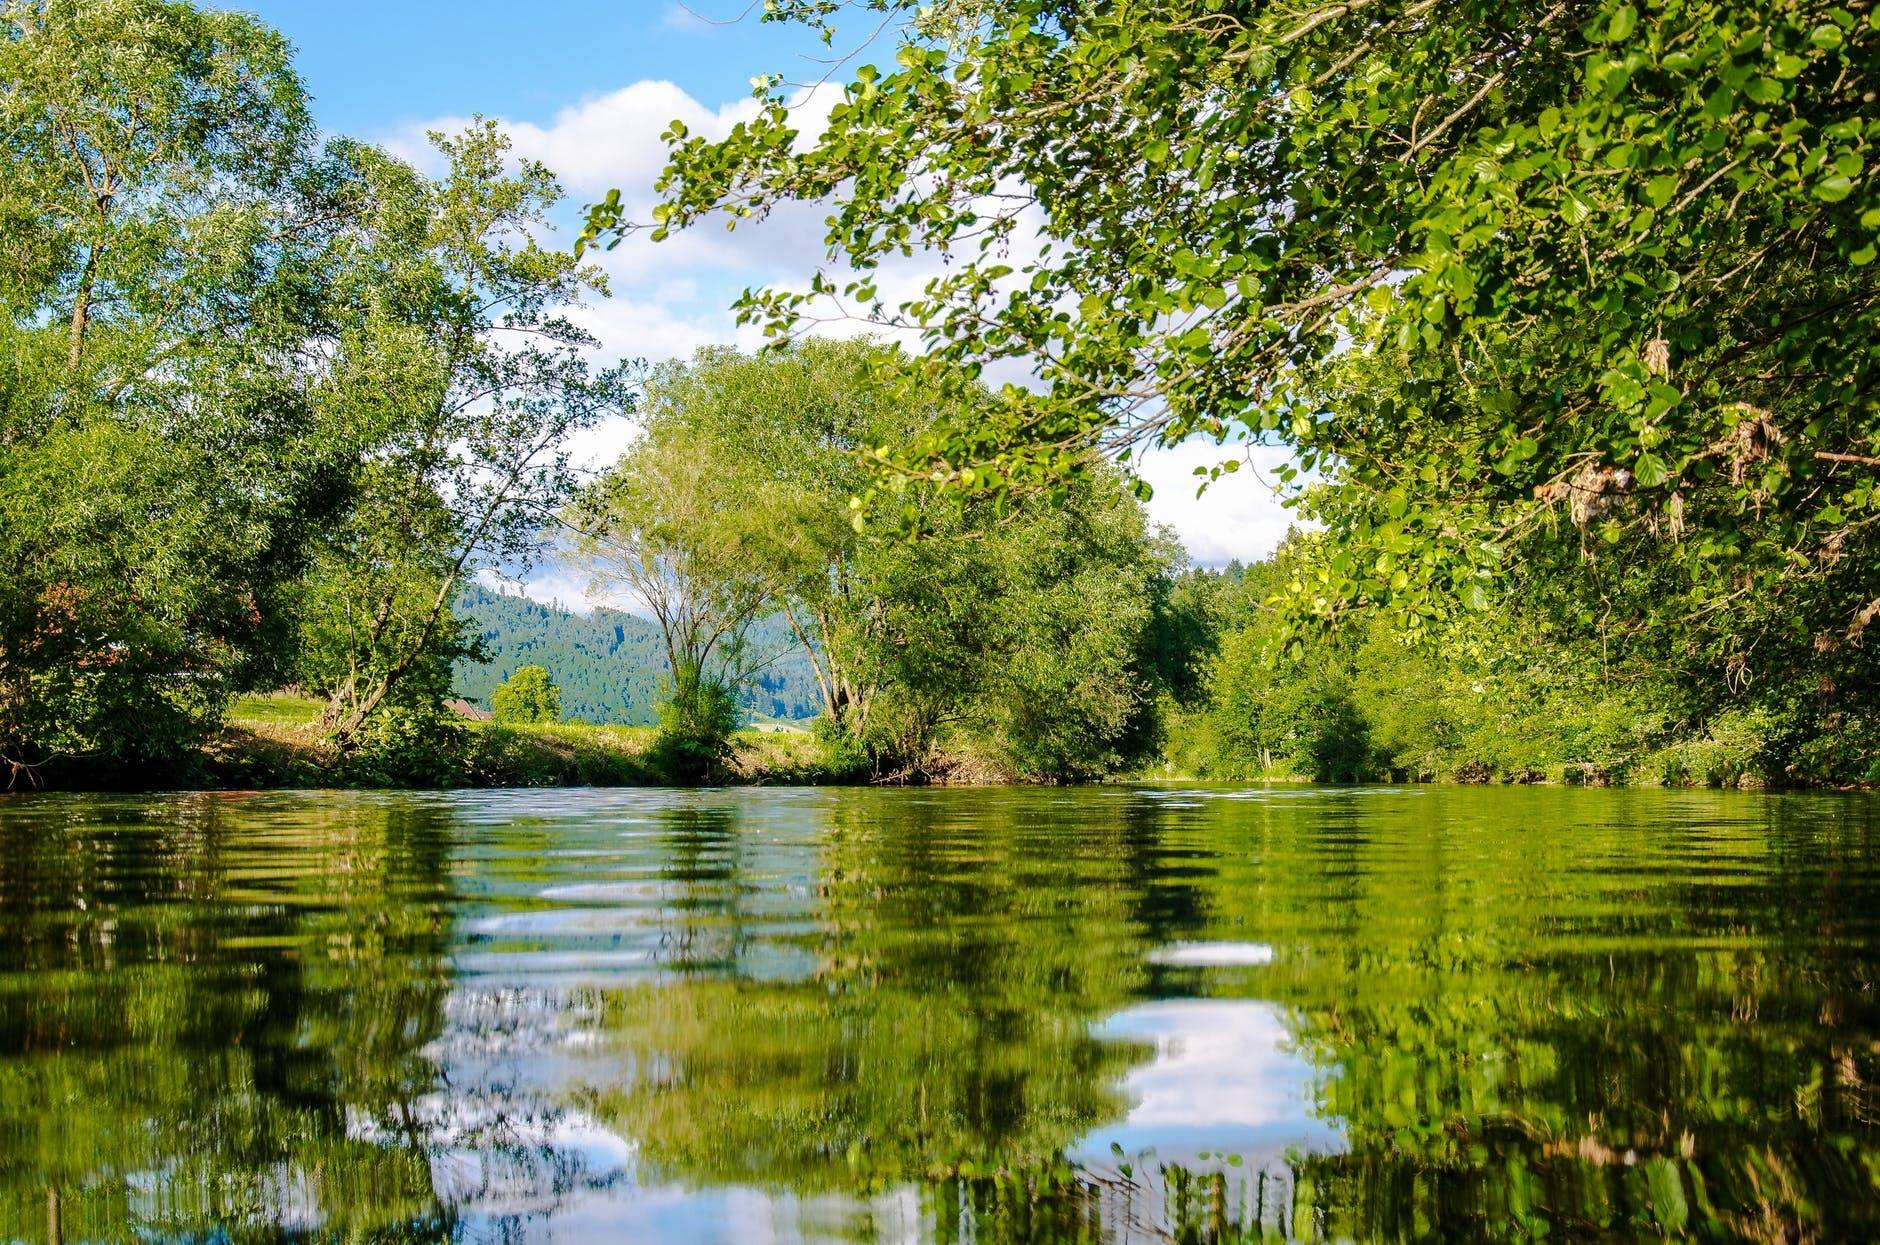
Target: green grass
[[275, 741], [276, 709]]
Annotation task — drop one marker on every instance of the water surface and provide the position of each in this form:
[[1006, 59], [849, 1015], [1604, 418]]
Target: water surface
[[819, 1015]]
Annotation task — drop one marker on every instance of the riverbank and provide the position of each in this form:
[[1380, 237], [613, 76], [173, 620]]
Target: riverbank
[[275, 741]]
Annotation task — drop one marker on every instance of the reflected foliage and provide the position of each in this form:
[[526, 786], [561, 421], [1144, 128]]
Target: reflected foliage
[[199, 1023], [945, 1015]]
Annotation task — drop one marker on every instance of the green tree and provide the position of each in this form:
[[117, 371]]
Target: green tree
[[146, 139], [1023, 638], [459, 383], [526, 696], [1616, 259], [162, 287], [785, 432], [671, 529]]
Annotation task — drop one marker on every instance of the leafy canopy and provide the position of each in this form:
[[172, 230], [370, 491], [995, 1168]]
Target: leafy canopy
[[526, 696], [1617, 256]]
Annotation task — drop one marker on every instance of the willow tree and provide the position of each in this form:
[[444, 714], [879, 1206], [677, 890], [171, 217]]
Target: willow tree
[[1025, 636], [1617, 257], [782, 436], [669, 528]]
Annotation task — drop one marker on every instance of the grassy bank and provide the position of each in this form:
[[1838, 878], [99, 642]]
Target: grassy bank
[[275, 741]]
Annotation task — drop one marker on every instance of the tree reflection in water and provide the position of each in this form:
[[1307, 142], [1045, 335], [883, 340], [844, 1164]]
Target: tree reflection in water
[[874, 1015]]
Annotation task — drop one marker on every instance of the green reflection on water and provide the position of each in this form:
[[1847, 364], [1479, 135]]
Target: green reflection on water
[[1333, 1014]]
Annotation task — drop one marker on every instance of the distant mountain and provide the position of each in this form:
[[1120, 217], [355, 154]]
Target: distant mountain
[[609, 664]]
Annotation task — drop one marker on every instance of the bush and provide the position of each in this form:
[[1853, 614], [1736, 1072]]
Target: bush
[[1732, 751], [846, 757], [695, 727], [408, 744]]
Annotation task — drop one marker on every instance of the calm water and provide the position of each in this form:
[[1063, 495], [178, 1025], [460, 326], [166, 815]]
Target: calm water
[[952, 1015]]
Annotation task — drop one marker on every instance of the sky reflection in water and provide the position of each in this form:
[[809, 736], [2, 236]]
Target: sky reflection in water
[[835, 1015]]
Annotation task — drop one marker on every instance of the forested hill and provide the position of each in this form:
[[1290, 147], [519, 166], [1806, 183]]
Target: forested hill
[[609, 663]]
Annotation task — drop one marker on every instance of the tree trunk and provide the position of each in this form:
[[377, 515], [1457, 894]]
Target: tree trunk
[[81, 305]]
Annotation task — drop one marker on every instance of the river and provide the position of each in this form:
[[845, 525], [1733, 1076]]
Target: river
[[1098, 1014]]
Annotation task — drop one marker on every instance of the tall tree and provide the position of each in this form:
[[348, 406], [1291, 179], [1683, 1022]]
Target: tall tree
[[1618, 256], [676, 532], [784, 434], [145, 141], [166, 235], [460, 380]]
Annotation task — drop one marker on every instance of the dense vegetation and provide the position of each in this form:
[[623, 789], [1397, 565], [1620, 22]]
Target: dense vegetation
[[1495, 695], [1569, 319], [270, 401], [1568, 313]]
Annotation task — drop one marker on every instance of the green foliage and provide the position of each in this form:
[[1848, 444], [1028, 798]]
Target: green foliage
[[1508, 693], [526, 696], [848, 757], [410, 742], [160, 471], [607, 663], [460, 383], [1031, 642], [1041, 648], [263, 404], [1602, 276], [670, 527], [696, 722]]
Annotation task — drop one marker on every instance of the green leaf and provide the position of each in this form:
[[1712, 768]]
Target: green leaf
[[1834, 189], [1649, 470]]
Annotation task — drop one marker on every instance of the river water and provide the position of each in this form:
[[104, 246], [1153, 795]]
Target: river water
[[1105, 1014]]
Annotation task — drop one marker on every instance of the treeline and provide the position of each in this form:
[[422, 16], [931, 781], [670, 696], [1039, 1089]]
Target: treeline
[[1572, 311], [269, 400], [609, 664], [266, 399], [1531, 687]]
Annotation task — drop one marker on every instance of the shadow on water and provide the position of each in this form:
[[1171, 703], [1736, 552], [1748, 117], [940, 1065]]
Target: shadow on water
[[1046, 1016]]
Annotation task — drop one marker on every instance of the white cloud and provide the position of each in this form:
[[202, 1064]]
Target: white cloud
[[1238, 516], [671, 297], [605, 140]]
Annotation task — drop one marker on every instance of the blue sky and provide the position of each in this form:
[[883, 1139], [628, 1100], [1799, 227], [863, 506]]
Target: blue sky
[[587, 88], [382, 65]]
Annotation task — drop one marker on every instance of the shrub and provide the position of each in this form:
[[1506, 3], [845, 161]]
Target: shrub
[[695, 727], [408, 744]]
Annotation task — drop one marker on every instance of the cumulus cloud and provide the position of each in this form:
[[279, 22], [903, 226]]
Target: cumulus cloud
[[605, 140], [1239, 516], [671, 297]]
